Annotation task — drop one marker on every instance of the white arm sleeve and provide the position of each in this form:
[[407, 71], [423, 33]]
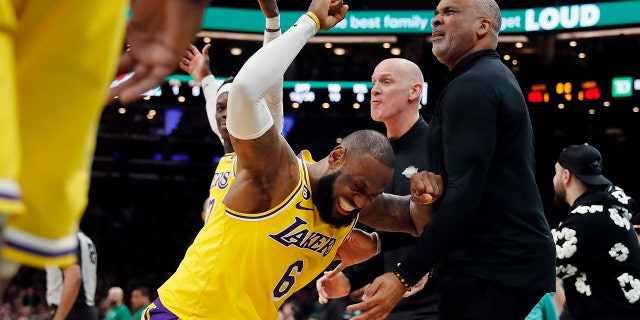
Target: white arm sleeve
[[210, 90], [247, 114], [273, 96]]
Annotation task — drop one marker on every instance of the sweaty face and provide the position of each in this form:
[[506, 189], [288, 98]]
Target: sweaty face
[[323, 200], [221, 115], [454, 27], [390, 92]]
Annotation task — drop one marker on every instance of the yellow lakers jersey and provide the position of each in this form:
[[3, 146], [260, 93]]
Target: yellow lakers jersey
[[244, 266], [222, 179]]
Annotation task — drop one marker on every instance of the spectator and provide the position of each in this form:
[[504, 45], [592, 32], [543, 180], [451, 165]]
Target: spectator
[[598, 252], [117, 310], [140, 299]]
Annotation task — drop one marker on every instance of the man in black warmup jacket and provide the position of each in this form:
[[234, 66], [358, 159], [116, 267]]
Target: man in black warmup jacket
[[488, 237]]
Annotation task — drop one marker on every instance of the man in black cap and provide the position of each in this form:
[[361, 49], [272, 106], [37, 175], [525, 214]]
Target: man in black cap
[[598, 255]]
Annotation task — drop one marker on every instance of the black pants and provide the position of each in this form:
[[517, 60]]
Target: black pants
[[79, 312], [464, 297]]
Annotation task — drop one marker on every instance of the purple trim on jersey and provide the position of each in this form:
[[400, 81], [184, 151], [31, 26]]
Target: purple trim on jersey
[[260, 217], [158, 312], [10, 196], [17, 246]]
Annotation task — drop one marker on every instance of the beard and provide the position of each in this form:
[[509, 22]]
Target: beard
[[559, 194], [323, 200], [452, 46]]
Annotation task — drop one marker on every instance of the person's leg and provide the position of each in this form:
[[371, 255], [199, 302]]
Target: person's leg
[[10, 199], [64, 67], [10, 152], [83, 312], [468, 297]]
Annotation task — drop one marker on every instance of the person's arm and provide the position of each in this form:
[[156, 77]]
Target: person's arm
[[72, 279], [158, 32], [364, 273], [250, 125], [389, 212], [273, 96], [196, 64], [358, 246], [469, 133], [410, 213]]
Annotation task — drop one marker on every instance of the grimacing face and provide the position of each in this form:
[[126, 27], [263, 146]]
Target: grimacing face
[[454, 26], [340, 195], [323, 200]]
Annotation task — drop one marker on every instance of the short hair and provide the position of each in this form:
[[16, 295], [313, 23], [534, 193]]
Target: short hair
[[489, 9], [143, 290], [116, 291], [369, 142]]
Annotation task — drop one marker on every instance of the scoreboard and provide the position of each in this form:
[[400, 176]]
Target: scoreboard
[[587, 90]]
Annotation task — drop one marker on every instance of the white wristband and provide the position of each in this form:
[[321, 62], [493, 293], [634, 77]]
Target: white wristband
[[207, 81], [273, 23]]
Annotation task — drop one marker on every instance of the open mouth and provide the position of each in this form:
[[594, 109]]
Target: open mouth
[[345, 206], [436, 36]]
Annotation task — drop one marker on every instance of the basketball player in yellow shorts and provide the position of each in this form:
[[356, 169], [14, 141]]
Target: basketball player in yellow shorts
[[58, 58]]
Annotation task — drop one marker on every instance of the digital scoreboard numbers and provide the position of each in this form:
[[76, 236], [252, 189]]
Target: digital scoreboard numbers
[[564, 92], [565, 89], [538, 93], [585, 90], [590, 91]]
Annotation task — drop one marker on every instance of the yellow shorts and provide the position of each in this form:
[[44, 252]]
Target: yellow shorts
[[57, 58]]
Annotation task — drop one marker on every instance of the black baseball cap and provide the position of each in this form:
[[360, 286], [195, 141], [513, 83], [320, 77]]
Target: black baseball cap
[[585, 162]]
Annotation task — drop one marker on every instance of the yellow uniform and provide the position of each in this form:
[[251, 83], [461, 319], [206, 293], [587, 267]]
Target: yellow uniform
[[222, 179], [244, 266], [57, 59]]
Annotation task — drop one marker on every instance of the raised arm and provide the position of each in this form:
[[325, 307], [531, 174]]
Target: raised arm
[[248, 117], [196, 64], [265, 160], [273, 96], [249, 121]]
